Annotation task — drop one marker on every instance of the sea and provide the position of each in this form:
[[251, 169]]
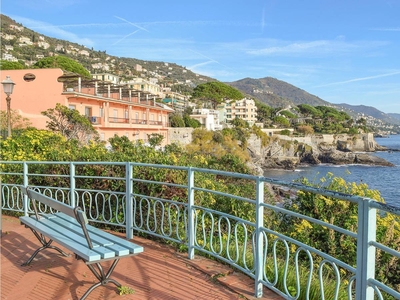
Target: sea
[[384, 179]]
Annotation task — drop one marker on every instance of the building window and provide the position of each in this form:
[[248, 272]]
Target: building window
[[88, 111], [115, 114], [72, 106], [101, 112]]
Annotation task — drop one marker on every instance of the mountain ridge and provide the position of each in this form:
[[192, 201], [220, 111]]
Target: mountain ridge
[[270, 90]]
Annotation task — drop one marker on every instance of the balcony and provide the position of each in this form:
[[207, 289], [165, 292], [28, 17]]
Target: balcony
[[115, 120], [96, 89]]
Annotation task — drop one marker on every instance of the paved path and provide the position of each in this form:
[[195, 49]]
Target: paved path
[[158, 273]]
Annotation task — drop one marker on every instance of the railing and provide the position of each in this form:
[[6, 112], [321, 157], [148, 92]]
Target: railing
[[142, 198], [135, 121], [118, 120]]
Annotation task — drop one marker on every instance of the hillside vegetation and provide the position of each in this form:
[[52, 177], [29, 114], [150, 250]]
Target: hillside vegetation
[[276, 93]]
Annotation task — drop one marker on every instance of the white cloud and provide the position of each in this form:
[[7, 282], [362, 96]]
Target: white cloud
[[361, 79], [337, 46], [55, 31], [320, 46], [386, 29]]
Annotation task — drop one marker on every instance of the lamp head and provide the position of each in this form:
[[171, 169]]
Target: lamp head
[[8, 85]]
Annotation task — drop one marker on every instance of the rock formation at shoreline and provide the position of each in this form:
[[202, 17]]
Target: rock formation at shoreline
[[341, 150]]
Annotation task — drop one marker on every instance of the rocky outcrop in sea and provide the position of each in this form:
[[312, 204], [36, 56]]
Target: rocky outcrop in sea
[[288, 153]]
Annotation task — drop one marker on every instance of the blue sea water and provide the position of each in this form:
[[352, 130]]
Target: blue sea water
[[384, 179]]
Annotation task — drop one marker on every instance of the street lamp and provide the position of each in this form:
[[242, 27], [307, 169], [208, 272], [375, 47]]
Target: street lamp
[[8, 86]]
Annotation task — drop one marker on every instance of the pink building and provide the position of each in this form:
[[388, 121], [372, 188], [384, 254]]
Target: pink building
[[112, 109]]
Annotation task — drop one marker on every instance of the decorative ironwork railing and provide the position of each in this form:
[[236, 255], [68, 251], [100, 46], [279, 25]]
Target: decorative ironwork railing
[[185, 205]]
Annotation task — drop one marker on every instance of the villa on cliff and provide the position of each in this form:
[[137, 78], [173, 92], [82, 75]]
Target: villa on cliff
[[113, 109]]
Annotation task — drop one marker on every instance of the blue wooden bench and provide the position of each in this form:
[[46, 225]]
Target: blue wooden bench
[[68, 226]]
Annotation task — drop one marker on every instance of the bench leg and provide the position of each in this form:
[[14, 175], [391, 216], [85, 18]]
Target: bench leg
[[101, 276], [45, 244]]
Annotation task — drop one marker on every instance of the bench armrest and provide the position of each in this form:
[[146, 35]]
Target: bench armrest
[[83, 221]]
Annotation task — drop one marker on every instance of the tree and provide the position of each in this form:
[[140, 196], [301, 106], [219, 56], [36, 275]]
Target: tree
[[264, 112], [240, 123], [11, 65], [280, 120], [305, 129], [18, 122], [309, 111], [176, 120], [190, 122], [155, 139], [70, 124], [361, 121], [288, 114], [216, 92], [64, 63]]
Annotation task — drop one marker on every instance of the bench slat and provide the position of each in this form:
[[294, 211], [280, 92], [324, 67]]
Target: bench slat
[[65, 229], [49, 229], [133, 248], [73, 226]]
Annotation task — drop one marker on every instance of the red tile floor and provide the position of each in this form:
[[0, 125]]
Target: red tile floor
[[158, 273]]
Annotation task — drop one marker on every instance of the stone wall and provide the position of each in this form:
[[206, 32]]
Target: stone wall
[[180, 135], [361, 142]]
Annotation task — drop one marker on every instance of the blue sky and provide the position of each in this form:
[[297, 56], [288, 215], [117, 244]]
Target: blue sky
[[340, 50]]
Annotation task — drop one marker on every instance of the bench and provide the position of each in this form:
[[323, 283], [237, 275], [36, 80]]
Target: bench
[[68, 226]]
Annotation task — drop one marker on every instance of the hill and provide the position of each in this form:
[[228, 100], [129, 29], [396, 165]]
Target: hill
[[363, 111], [276, 93], [26, 46], [19, 43]]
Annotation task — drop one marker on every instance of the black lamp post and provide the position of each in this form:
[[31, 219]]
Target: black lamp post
[[8, 87]]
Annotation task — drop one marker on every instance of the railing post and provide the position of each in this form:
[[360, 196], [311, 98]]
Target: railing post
[[128, 202], [259, 240], [190, 229], [72, 184], [365, 251], [1, 209], [26, 183]]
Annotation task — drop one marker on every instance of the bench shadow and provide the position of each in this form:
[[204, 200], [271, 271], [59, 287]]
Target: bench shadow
[[147, 273], [17, 248]]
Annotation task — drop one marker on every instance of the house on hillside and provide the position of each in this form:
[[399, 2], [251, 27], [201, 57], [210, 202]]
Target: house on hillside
[[208, 118], [112, 109], [244, 109]]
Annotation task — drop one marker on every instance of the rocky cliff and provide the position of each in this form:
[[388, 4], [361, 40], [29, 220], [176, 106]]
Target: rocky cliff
[[285, 152]]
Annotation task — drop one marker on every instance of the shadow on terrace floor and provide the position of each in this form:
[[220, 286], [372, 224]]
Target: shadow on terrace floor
[[157, 273]]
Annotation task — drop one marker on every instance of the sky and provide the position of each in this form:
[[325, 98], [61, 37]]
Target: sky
[[343, 51]]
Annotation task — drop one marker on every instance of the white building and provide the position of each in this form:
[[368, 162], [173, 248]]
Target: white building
[[244, 109], [208, 118]]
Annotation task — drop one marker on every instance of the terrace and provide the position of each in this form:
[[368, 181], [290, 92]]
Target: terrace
[[140, 204]]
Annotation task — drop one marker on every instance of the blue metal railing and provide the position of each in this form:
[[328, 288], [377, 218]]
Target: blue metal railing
[[138, 202]]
